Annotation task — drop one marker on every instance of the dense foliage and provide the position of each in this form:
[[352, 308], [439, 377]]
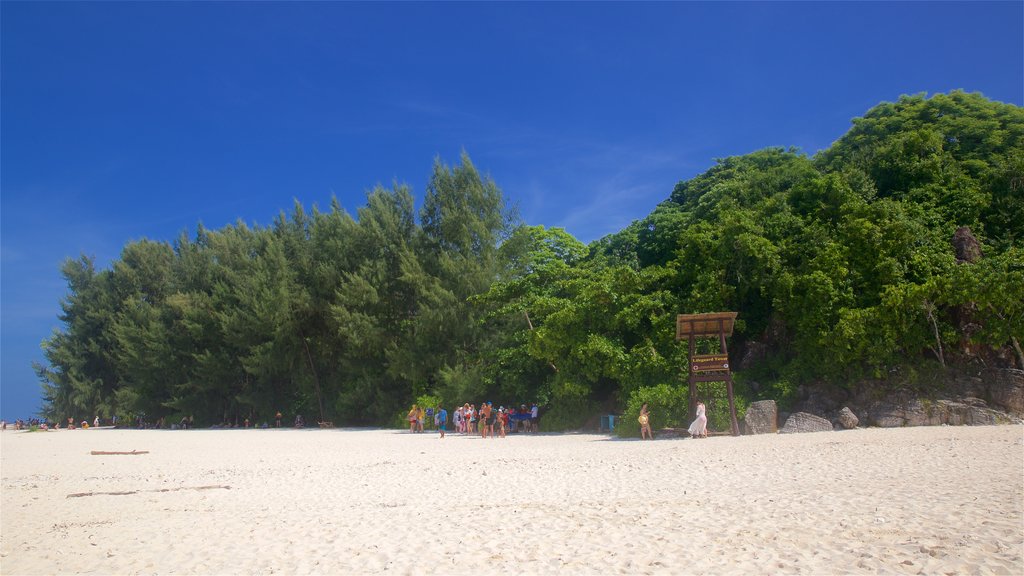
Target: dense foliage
[[841, 267]]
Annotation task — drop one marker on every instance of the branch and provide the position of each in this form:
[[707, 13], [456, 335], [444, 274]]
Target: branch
[[928, 306], [530, 324], [1020, 354], [81, 494]]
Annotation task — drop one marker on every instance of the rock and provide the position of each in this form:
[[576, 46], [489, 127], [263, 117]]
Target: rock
[[886, 414], [753, 353], [804, 422], [1006, 389], [922, 412], [967, 247], [762, 417], [847, 419], [969, 411]]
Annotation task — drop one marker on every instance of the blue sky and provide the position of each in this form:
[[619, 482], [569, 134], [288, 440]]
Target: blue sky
[[122, 121]]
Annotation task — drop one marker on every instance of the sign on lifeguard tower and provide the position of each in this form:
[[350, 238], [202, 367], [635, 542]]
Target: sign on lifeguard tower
[[709, 367]]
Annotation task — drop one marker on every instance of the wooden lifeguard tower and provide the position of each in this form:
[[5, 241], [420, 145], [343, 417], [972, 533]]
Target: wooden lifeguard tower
[[710, 367]]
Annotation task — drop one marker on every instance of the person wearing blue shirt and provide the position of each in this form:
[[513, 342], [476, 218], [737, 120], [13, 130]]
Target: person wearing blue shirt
[[442, 419]]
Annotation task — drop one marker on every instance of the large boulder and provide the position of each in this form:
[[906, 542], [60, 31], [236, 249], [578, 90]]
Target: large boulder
[[762, 417], [804, 422], [847, 419], [966, 246], [1006, 388]]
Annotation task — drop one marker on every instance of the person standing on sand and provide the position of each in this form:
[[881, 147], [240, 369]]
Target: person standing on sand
[[486, 419], [699, 428], [645, 423], [411, 416], [492, 416], [442, 419]]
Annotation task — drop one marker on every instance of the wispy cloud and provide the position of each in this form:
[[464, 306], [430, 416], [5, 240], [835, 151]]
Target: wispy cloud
[[592, 189], [590, 186]]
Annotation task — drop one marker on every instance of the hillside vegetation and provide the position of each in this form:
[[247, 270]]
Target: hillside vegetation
[[842, 267]]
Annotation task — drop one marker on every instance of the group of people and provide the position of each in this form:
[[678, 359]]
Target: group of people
[[487, 421], [20, 424], [46, 425], [415, 417], [698, 429]]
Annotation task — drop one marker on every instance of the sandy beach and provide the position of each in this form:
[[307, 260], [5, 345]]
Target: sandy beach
[[940, 500]]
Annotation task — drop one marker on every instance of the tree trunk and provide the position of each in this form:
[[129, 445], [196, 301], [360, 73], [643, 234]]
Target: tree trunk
[[316, 379], [929, 307], [1020, 354]]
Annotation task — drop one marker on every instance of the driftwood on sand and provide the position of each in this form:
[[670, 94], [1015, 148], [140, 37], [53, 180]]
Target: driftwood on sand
[[81, 494]]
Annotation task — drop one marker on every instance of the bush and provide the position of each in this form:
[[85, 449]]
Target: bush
[[718, 412], [783, 391], [667, 404]]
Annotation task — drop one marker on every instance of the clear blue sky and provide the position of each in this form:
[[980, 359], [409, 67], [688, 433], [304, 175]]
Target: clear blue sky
[[122, 121]]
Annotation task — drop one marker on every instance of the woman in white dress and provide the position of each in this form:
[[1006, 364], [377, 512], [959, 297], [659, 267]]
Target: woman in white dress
[[699, 428]]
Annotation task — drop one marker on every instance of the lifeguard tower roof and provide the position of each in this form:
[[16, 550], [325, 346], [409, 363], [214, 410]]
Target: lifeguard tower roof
[[704, 325]]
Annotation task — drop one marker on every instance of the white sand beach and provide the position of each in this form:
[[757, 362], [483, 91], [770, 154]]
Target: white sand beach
[[941, 500]]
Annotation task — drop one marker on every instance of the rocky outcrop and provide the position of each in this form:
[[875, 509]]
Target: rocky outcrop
[[847, 419], [920, 412], [762, 417], [804, 422], [753, 353], [966, 246], [956, 397], [1006, 389]]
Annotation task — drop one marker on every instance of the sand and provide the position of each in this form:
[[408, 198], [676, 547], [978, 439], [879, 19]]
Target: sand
[[940, 500]]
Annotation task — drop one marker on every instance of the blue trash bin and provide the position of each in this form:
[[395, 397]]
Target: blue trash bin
[[607, 423]]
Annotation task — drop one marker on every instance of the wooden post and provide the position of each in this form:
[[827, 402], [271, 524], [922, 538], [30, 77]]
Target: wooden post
[[728, 387], [693, 382]]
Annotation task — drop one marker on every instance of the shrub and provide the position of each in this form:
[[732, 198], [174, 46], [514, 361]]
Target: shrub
[[667, 404], [718, 412]]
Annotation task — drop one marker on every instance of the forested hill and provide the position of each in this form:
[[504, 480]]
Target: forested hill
[[842, 266]]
